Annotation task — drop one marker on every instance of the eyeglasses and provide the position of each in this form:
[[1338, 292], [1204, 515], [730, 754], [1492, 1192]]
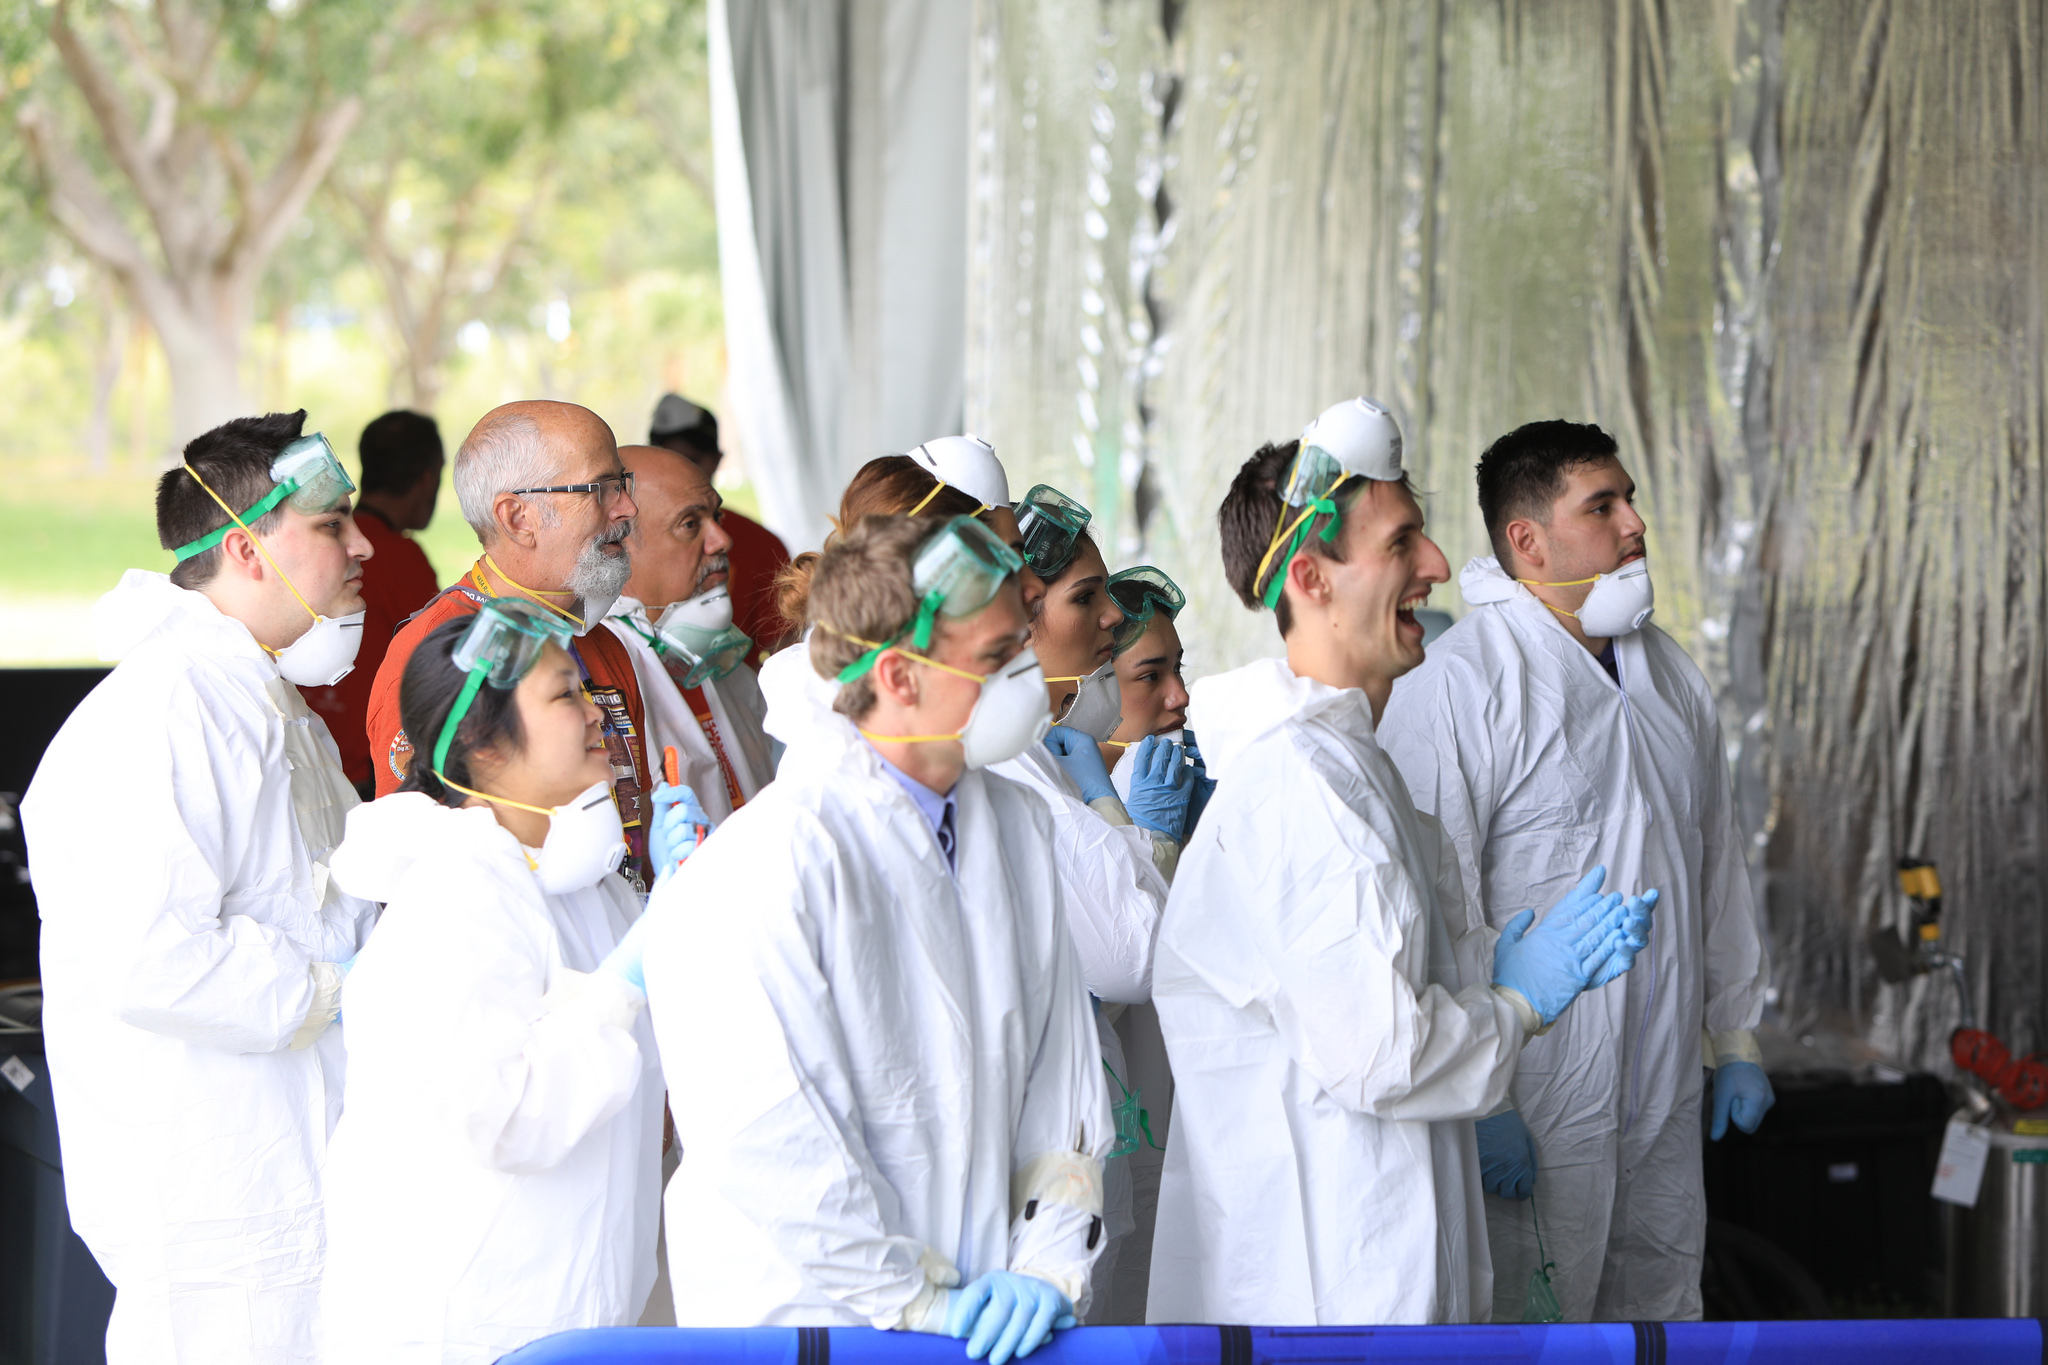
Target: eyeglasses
[[609, 487], [1142, 593], [1051, 523]]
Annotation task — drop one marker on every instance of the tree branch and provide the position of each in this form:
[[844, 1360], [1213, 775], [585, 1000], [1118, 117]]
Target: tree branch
[[264, 221], [77, 202], [108, 111]]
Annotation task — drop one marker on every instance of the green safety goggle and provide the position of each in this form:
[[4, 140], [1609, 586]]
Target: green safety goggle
[[306, 472], [1051, 523], [504, 640], [958, 572], [1140, 594]]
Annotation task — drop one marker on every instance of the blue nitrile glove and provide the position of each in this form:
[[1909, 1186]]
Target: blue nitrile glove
[[672, 832], [1550, 964], [1009, 1315], [1161, 786], [1635, 929], [624, 961], [1205, 785], [1507, 1156], [1741, 1092], [1081, 760]]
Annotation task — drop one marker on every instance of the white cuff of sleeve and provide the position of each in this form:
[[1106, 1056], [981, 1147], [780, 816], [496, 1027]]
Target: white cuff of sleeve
[[1733, 1045], [601, 997], [1165, 855], [327, 980], [1111, 809], [1525, 1013], [927, 1312], [1070, 1178]]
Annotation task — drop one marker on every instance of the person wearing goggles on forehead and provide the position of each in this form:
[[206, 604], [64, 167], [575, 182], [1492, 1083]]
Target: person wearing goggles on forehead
[[1334, 1027], [1150, 685], [191, 980], [542, 485], [903, 1120], [1555, 726], [495, 1176], [676, 621]]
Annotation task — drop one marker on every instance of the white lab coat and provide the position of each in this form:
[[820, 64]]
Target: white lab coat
[[875, 1067], [1539, 768], [1328, 1057], [737, 709], [496, 1175], [178, 828]]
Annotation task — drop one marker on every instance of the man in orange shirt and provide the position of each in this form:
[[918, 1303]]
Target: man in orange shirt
[[757, 553], [542, 485], [402, 459]]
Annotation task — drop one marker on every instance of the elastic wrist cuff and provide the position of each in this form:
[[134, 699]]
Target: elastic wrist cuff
[[327, 980], [1525, 1013], [1110, 809], [1734, 1045]]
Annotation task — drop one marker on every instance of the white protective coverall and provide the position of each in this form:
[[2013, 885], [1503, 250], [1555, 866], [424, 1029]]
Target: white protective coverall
[[1539, 767], [737, 710], [497, 1172], [178, 829], [877, 1068], [1328, 1055]]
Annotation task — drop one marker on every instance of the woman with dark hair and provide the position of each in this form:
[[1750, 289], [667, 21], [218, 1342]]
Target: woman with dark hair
[[495, 1176]]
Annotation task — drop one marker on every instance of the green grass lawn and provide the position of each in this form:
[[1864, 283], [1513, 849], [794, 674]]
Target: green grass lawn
[[66, 537]]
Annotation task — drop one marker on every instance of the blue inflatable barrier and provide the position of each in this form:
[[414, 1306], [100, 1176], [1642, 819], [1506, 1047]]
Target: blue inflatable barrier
[[1992, 1341]]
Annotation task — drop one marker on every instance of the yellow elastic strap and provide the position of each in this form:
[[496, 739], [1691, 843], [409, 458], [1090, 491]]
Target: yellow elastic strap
[[1569, 583], [259, 548], [911, 739], [1083, 677], [925, 501], [521, 588], [486, 796], [908, 654]]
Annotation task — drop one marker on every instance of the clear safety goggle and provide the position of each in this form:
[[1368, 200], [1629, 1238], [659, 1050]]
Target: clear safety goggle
[[1311, 489], [957, 573], [504, 640], [306, 472], [707, 655], [1051, 523], [1140, 594]]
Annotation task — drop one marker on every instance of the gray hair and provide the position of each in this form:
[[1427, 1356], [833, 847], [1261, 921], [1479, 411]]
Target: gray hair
[[503, 452]]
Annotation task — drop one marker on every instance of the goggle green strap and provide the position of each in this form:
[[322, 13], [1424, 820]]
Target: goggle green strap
[[1317, 507], [920, 632], [455, 715], [257, 510]]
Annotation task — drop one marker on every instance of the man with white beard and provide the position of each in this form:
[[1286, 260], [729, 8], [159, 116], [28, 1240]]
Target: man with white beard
[[542, 485]]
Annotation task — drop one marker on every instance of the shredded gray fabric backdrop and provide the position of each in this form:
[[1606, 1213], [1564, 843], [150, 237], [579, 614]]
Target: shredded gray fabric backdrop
[[1791, 252]]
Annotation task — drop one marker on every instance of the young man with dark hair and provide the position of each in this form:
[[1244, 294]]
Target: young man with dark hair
[[1331, 1039], [192, 967], [758, 554], [402, 461], [884, 1069], [1552, 728]]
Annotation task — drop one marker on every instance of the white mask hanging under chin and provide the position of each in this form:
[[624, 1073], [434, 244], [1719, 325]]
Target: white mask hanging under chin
[[325, 654]]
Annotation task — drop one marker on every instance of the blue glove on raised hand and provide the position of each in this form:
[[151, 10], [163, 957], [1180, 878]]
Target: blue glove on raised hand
[[1205, 785], [1161, 786], [1550, 964], [624, 961], [672, 833], [1507, 1156], [1008, 1314], [1081, 760], [1741, 1092], [1635, 930]]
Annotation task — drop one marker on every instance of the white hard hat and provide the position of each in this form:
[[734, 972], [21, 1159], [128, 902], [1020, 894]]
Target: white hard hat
[[1361, 436], [969, 464]]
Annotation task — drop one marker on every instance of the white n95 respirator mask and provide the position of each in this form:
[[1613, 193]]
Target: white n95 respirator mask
[[586, 839], [1097, 709]]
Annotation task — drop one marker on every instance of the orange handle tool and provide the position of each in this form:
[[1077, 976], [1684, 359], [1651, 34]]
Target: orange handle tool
[[671, 769]]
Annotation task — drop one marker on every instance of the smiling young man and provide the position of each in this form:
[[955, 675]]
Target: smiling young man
[[878, 1044], [676, 620], [1553, 728], [191, 965], [542, 486], [1331, 1042]]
